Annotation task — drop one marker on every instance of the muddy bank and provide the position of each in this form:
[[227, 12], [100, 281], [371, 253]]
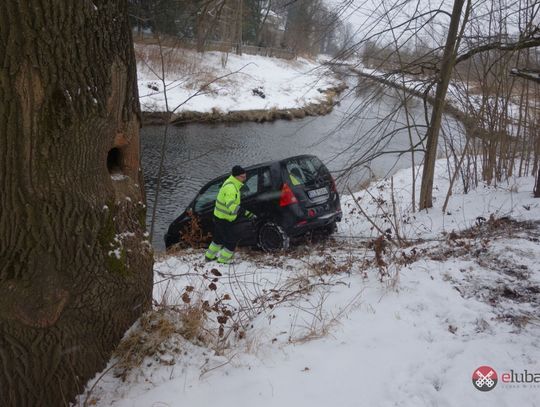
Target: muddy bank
[[216, 116]]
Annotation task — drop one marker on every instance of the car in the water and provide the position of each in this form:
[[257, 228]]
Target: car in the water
[[291, 197]]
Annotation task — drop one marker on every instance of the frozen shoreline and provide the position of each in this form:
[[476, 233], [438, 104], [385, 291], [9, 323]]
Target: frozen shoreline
[[254, 88]]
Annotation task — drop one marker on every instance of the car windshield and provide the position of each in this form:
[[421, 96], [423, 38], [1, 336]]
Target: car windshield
[[304, 170]]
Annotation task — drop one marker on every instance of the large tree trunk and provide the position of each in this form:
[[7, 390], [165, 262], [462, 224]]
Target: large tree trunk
[[446, 67], [75, 268]]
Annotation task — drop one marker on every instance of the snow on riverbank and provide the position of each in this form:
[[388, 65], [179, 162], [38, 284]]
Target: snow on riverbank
[[512, 198], [462, 96], [349, 323], [199, 82]]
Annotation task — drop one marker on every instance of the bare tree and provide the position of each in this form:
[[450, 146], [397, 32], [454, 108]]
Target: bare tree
[[443, 80]]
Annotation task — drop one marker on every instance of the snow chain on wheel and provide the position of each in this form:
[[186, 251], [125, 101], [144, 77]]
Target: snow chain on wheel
[[273, 238]]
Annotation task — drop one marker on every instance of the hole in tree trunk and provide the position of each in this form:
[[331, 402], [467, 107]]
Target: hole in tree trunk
[[114, 161]]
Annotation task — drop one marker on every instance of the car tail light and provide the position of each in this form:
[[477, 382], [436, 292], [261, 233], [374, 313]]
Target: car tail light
[[311, 213], [287, 196]]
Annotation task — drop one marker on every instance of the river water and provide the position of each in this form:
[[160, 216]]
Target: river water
[[363, 124]]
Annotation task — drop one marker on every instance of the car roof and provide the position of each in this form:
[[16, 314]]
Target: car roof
[[265, 164], [270, 163]]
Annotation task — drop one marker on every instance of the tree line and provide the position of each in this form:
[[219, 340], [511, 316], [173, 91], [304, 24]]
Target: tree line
[[304, 27]]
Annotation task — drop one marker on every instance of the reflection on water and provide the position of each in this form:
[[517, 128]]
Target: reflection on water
[[195, 153]]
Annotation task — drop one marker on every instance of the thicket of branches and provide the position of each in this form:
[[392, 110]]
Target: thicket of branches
[[475, 73]]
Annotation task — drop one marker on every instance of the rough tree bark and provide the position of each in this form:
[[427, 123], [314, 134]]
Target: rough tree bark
[[75, 266]]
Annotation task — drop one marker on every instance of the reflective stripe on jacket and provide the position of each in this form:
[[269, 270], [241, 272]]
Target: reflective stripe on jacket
[[228, 200]]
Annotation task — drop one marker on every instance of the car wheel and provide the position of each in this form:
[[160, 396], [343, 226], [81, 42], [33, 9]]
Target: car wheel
[[273, 238], [321, 234], [330, 229]]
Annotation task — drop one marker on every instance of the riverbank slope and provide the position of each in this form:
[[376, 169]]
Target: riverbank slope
[[216, 86], [352, 321]]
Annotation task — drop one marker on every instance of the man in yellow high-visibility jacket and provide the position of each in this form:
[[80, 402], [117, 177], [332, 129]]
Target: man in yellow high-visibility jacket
[[226, 213]]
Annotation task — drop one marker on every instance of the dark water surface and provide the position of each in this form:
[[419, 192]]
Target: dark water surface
[[196, 153]]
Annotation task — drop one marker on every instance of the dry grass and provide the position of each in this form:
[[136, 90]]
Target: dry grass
[[148, 339], [178, 63], [193, 319], [329, 265], [193, 235], [175, 61], [161, 332]]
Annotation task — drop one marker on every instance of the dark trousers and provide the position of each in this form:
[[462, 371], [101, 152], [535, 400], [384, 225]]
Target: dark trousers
[[226, 233]]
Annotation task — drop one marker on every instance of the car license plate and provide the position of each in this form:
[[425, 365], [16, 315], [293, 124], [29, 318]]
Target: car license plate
[[317, 193]]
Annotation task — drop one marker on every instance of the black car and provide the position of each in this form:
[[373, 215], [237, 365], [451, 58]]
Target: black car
[[290, 197]]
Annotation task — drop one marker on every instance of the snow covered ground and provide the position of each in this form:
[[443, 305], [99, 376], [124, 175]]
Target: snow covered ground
[[350, 322], [216, 81]]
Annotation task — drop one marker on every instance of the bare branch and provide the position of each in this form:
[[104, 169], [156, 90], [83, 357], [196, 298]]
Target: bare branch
[[513, 46]]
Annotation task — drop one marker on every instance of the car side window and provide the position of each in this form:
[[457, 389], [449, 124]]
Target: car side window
[[207, 198], [266, 180], [251, 186]]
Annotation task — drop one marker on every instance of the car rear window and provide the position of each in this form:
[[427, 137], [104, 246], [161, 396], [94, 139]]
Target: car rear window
[[304, 170]]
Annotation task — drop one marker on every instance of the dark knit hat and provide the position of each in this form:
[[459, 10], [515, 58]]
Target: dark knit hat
[[237, 170]]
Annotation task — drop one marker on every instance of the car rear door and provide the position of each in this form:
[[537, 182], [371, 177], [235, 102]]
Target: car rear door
[[311, 183], [255, 200]]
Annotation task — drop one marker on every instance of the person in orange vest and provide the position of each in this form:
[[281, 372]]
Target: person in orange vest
[[226, 212]]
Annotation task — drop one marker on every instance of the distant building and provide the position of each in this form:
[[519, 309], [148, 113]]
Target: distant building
[[273, 29]]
